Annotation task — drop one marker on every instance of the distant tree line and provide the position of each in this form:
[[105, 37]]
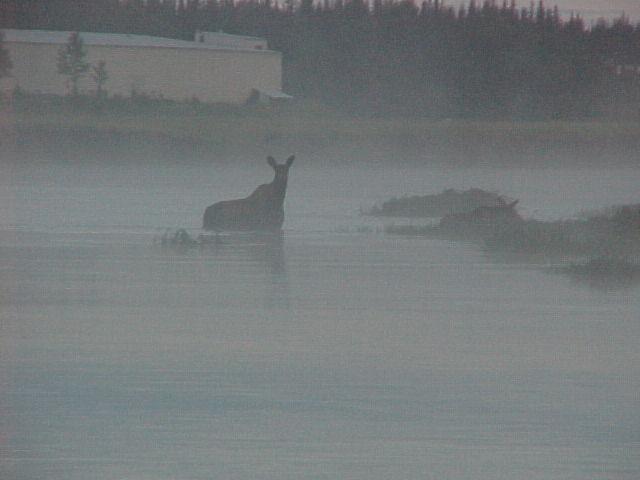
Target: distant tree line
[[481, 60], [5, 61]]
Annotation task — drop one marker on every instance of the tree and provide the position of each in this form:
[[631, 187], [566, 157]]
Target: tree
[[100, 76], [5, 61], [71, 61]]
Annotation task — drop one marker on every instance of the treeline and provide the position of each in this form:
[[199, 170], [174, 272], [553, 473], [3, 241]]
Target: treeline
[[480, 60]]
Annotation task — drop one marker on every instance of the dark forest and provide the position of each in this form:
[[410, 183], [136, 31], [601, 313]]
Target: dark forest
[[481, 60]]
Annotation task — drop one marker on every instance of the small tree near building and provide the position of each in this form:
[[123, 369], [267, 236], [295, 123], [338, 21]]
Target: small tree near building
[[100, 76], [71, 61]]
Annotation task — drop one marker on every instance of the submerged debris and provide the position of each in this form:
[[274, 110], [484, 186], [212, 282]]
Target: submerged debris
[[181, 239], [447, 202], [177, 238]]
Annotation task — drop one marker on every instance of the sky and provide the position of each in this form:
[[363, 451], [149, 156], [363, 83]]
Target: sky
[[593, 9]]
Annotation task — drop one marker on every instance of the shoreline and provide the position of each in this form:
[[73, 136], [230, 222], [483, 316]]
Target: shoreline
[[206, 133]]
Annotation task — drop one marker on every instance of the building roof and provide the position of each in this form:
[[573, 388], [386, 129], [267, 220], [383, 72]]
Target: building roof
[[274, 94], [221, 34], [118, 40]]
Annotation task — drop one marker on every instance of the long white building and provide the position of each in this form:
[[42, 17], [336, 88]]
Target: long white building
[[214, 68]]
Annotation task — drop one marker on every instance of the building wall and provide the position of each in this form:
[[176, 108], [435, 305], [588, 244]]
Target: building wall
[[210, 75]]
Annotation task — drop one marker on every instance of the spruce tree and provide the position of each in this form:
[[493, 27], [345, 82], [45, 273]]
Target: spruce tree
[[71, 61], [5, 61]]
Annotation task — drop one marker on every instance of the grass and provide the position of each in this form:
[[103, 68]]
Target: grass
[[312, 129]]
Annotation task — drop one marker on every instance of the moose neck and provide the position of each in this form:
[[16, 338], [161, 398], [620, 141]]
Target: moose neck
[[279, 187]]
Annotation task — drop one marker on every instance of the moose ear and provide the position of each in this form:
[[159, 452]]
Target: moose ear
[[271, 161], [290, 160]]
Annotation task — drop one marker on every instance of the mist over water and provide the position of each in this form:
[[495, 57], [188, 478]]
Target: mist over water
[[332, 351]]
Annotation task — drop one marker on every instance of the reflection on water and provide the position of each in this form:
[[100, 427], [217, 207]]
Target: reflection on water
[[261, 248], [325, 352], [605, 274]]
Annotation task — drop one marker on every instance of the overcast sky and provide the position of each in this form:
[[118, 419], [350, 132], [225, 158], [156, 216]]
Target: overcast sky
[[590, 9]]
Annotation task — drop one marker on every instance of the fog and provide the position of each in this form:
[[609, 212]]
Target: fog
[[141, 338], [594, 9], [333, 350]]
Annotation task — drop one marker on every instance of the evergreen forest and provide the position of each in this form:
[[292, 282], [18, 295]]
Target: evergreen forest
[[484, 60]]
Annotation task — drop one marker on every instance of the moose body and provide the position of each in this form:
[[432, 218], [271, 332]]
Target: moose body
[[483, 221], [263, 210]]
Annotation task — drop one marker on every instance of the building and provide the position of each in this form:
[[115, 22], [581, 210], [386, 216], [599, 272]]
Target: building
[[214, 68], [226, 40]]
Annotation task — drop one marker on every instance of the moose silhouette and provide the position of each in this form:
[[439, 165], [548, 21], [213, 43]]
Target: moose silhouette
[[482, 221], [263, 210]]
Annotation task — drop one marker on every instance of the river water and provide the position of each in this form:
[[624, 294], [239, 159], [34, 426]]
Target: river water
[[332, 352]]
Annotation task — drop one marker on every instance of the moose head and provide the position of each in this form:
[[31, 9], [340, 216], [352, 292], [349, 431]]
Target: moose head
[[282, 170]]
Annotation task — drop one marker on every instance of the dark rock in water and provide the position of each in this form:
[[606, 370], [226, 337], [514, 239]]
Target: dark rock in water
[[432, 206]]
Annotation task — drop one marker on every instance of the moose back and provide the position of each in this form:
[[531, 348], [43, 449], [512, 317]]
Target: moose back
[[263, 210]]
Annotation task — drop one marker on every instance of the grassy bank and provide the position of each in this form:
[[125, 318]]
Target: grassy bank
[[195, 129]]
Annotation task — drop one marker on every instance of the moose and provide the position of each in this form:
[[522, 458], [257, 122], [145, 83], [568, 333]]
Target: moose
[[482, 221], [263, 210]]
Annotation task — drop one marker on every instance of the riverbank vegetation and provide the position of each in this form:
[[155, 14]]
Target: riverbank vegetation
[[86, 125], [444, 203]]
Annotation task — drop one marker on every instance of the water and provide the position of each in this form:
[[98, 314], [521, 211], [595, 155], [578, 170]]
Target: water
[[334, 351]]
